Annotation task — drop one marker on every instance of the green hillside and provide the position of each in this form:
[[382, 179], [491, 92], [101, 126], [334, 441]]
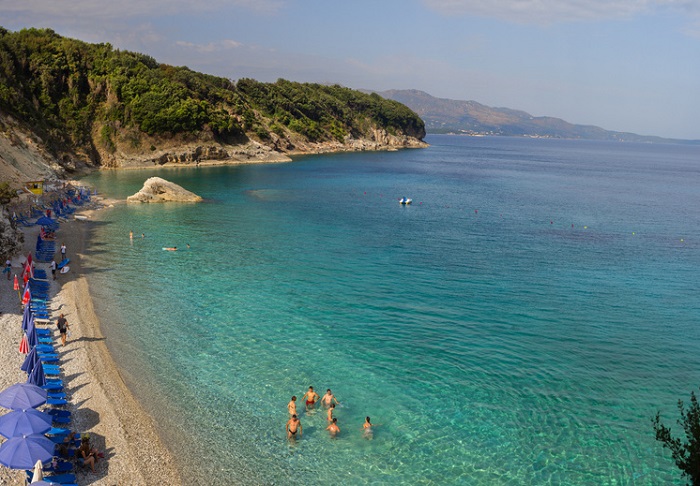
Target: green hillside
[[90, 99]]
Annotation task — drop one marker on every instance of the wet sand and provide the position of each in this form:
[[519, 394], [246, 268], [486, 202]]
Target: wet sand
[[101, 403]]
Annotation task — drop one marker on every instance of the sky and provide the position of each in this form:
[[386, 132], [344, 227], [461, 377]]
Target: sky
[[623, 65]]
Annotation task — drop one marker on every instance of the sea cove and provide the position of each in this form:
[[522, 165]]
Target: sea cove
[[519, 323]]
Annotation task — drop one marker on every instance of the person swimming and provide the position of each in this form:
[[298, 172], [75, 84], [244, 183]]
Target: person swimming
[[170, 248]]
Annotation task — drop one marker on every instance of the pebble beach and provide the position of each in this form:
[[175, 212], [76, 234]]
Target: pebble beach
[[98, 397]]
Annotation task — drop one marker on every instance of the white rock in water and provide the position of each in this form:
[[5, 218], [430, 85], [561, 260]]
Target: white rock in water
[[156, 189]]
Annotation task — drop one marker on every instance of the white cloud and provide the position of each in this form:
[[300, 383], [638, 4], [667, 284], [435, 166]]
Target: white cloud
[[211, 47], [553, 11]]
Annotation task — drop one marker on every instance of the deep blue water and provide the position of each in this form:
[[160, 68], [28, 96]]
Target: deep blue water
[[519, 323]]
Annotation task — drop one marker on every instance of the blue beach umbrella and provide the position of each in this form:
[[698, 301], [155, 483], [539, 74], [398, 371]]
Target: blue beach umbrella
[[23, 451], [22, 395], [46, 221], [24, 422], [32, 338], [30, 361], [26, 316], [36, 377]]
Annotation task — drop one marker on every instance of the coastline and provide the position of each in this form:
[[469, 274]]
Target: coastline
[[99, 398]]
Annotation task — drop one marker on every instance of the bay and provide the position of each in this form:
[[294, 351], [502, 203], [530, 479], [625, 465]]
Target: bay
[[519, 323]]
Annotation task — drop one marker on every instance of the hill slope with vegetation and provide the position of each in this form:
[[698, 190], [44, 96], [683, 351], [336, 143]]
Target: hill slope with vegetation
[[87, 104]]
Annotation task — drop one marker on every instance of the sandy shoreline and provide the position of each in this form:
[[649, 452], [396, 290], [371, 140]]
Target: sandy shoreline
[[98, 396]]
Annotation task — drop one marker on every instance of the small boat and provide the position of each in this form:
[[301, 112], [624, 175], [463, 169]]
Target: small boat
[[405, 200]]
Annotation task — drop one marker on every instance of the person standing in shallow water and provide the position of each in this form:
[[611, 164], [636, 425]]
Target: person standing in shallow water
[[329, 398], [292, 406], [310, 396], [293, 426], [333, 428]]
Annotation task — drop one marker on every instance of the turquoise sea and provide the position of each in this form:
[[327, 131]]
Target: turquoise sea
[[520, 323]]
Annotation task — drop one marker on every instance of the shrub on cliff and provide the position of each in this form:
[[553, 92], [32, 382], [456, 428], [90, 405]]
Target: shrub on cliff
[[686, 454]]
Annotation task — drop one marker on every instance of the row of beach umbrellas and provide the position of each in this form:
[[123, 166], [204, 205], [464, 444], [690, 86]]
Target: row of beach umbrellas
[[24, 426]]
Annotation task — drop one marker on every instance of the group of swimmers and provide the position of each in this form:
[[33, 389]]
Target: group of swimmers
[[329, 402]]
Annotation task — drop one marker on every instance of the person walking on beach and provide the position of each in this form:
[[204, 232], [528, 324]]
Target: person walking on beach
[[328, 398], [293, 426], [333, 428], [292, 406], [8, 268], [53, 269], [310, 396], [63, 251], [62, 325]]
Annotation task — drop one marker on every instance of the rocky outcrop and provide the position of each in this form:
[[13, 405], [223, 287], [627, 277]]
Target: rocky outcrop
[[157, 190], [11, 238]]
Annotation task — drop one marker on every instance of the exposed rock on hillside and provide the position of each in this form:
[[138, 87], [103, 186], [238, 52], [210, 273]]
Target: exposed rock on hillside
[[157, 190], [11, 239]]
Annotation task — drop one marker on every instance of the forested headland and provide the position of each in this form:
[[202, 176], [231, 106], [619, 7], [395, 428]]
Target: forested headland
[[96, 105]]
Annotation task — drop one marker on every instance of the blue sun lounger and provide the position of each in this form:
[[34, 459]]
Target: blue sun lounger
[[64, 479]]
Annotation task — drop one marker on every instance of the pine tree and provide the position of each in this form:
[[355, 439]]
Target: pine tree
[[685, 454]]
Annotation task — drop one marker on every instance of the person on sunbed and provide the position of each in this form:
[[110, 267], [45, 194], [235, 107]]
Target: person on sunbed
[[86, 454]]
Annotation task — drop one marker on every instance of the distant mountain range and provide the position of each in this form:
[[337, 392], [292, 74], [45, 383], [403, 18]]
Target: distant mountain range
[[471, 118]]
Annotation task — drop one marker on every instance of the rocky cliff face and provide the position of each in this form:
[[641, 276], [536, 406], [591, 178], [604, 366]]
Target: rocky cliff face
[[157, 190], [11, 238]]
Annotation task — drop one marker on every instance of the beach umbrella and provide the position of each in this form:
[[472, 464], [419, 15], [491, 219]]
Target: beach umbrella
[[32, 338], [23, 451], [46, 221], [26, 315], [16, 287], [37, 377], [28, 270], [30, 361], [38, 475], [24, 344], [27, 295], [22, 395], [24, 422]]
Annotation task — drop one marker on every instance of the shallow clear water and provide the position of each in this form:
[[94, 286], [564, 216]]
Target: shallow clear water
[[520, 323]]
